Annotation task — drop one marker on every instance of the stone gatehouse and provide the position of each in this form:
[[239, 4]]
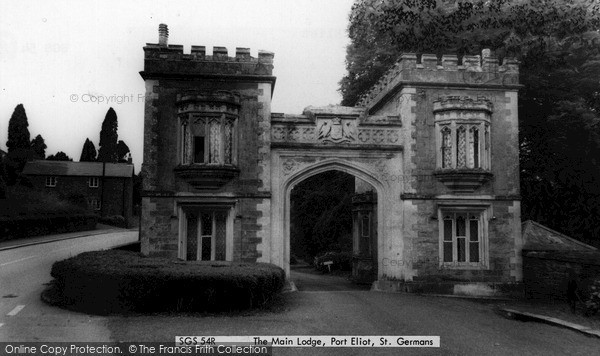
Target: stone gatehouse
[[433, 147]]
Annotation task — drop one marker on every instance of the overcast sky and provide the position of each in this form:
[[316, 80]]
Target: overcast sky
[[56, 56]]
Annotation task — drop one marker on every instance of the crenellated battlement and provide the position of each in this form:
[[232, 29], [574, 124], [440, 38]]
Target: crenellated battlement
[[162, 59], [198, 53], [476, 70]]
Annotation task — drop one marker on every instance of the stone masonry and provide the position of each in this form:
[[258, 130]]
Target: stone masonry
[[436, 139]]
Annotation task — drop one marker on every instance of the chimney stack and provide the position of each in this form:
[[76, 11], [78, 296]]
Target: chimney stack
[[163, 35]]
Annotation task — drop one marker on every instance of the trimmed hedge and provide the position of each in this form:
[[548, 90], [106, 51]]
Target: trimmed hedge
[[28, 212], [25, 226], [113, 220], [116, 281]]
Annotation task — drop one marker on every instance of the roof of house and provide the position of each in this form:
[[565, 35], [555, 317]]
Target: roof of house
[[539, 237], [83, 169]]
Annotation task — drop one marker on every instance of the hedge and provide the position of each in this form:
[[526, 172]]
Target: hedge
[[117, 281], [25, 226]]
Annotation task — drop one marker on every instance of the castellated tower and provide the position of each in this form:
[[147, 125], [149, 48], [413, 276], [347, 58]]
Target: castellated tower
[[206, 138], [433, 147]]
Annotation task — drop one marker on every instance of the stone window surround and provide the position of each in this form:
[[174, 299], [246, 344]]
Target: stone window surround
[[93, 182], [468, 122], [223, 141], [483, 212], [182, 209], [51, 181]]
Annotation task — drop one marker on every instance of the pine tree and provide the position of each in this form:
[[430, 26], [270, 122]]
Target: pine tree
[[38, 146], [107, 151], [88, 152]]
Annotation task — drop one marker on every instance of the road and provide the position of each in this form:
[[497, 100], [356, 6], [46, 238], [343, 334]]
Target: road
[[324, 305], [465, 327], [307, 278], [24, 272]]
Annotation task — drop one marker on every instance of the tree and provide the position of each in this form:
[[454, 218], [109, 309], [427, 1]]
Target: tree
[[123, 151], [107, 151], [380, 30], [321, 214], [19, 147], [59, 156], [18, 132], [38, 146], [558, 45], [88, 152]]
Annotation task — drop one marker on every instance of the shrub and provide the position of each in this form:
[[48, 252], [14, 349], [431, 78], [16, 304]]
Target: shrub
[[113, 220], [341, 261], [25, 226], [588, 293], [116, 281]]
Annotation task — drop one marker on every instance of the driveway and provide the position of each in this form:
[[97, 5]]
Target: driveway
[[307, 278], [465, 327]]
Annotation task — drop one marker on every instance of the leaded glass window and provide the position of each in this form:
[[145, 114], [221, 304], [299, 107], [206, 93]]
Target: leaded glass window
[[446, 147], [461, 239], [208, 140]]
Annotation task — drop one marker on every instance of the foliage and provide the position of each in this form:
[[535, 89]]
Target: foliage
[[113, 220], [88, 152], [107, 151], [341, 261], [321, 214], [29, 212], [558, 45], [123, 152], [38, 146], [19, 150], [380, 30], [18, 132], [21, 201], [114, 281], [59, 156], [592, 302]]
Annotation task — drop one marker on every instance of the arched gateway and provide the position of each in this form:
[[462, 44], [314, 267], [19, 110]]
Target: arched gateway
[[436, 142]]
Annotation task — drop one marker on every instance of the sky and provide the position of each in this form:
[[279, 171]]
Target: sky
[[65, 60]]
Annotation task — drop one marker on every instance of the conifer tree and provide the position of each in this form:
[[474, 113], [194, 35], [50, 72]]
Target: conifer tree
[[88, 152], [107, 151], [19, 146]]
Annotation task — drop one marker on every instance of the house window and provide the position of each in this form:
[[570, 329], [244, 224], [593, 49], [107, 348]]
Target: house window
[[93, 182], [467, 149], [51, 181], [446, 147], [463, 239], [208, 140], [94, 204], [204, 236]]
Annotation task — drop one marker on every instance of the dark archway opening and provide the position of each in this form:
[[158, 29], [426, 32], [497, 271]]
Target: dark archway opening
[[332, 234]]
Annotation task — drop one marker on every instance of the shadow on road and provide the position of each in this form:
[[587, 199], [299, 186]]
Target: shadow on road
[[307, 278]]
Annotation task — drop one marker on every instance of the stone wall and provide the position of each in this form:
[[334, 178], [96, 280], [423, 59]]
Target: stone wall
[[547, 273], [170, 74], [412, 89]]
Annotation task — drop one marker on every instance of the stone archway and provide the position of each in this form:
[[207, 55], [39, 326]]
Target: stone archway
[[364, 168]]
